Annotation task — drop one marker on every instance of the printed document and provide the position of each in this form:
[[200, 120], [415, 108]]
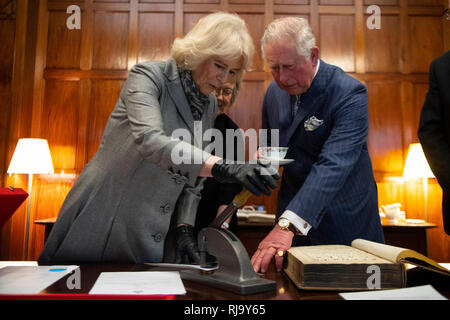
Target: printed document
[[139, 282]]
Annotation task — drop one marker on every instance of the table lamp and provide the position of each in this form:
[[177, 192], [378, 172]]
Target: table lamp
[[416, 166], [31, 156]]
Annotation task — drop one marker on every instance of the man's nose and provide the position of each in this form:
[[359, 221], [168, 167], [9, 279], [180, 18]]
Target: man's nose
[[284, 75]]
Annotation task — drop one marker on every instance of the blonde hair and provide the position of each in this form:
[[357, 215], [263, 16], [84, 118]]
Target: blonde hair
[[295, 28], [220, 34]]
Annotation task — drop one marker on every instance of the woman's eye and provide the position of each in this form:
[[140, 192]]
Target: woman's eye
[[219, 66]]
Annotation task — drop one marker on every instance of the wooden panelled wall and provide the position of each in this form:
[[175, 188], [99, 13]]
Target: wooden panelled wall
[[65, 89]]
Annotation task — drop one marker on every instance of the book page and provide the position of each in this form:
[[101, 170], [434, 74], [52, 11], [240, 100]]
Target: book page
[[384, 251], [334, 254], [397, 254]]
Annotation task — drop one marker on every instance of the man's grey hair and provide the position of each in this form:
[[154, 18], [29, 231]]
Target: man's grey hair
[[287, 28]]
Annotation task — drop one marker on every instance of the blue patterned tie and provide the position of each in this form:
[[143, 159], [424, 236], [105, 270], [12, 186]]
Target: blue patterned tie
[[296, 106]]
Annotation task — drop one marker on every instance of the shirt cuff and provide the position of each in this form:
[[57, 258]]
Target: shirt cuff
[[298, 222]]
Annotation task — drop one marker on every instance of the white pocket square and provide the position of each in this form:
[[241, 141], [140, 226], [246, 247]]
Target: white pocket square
[[312, 123]]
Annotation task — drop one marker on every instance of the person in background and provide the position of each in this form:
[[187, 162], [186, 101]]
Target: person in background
[[328, 195], [215, 195], [434, 129], [135, 201]]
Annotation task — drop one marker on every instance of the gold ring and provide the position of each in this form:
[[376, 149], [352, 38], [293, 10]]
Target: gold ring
[[280, 253]]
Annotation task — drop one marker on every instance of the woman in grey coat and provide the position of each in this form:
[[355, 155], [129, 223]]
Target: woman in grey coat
[[136, 200]]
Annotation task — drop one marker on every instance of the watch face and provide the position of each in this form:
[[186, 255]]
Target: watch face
[[284, 223]]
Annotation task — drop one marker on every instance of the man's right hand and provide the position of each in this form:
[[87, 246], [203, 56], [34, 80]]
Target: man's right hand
[[254, 177]]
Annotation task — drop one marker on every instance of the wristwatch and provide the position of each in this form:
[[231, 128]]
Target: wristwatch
[[285, 224]]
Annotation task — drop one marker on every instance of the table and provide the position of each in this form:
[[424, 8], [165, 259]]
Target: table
[[285, 288], [48, 225], [407, 235]]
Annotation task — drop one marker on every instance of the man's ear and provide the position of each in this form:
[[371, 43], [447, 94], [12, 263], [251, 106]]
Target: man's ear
[[314, 56]]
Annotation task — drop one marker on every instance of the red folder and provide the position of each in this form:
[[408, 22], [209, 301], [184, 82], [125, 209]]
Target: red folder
[[10, 200]]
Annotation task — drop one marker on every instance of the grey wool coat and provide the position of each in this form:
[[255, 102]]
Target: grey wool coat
[[121, 206]]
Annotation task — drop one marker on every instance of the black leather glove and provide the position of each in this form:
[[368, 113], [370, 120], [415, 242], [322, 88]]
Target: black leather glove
[[187, 251], [254, 177], [186, 245]]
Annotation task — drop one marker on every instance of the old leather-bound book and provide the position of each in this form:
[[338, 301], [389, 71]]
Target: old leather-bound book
[[362, 266]]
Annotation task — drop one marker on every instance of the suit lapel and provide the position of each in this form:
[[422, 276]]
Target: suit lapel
[[284, 117], [177, 94], [310, 100]]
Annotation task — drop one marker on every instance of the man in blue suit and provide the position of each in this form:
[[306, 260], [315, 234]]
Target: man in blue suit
[[328, 195]]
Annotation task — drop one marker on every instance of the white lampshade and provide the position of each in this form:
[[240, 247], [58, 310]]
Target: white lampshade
[[31, 156], [416, 165]]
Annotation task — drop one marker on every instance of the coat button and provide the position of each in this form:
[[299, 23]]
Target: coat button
[[157, 237], [165, 208]]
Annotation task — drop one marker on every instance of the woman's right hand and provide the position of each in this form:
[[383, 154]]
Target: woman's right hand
[[257, 178]]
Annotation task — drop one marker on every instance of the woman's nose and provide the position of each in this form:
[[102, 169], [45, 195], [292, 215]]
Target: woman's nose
[[222, 76]]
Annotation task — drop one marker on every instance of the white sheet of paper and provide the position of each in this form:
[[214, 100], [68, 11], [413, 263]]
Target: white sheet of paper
[[18, 263], [426, 292], [140, 282], [30, 279]]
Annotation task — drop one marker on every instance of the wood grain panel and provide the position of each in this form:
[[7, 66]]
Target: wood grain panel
[[157, 1], [383, 46], [304, 16], [202, 1], [64, 45], [385, 128], [111, 0], [104, 96], [246, 1], [425, 45], [51, 192], [190, 19], [291, 2], [110, 40], [60, 122], [420, 91], [381, 2], [337, 41], [336, 2], [246, 111], [391, 191], [255, 25], [7, 33], [156, 32], [425, 2]]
